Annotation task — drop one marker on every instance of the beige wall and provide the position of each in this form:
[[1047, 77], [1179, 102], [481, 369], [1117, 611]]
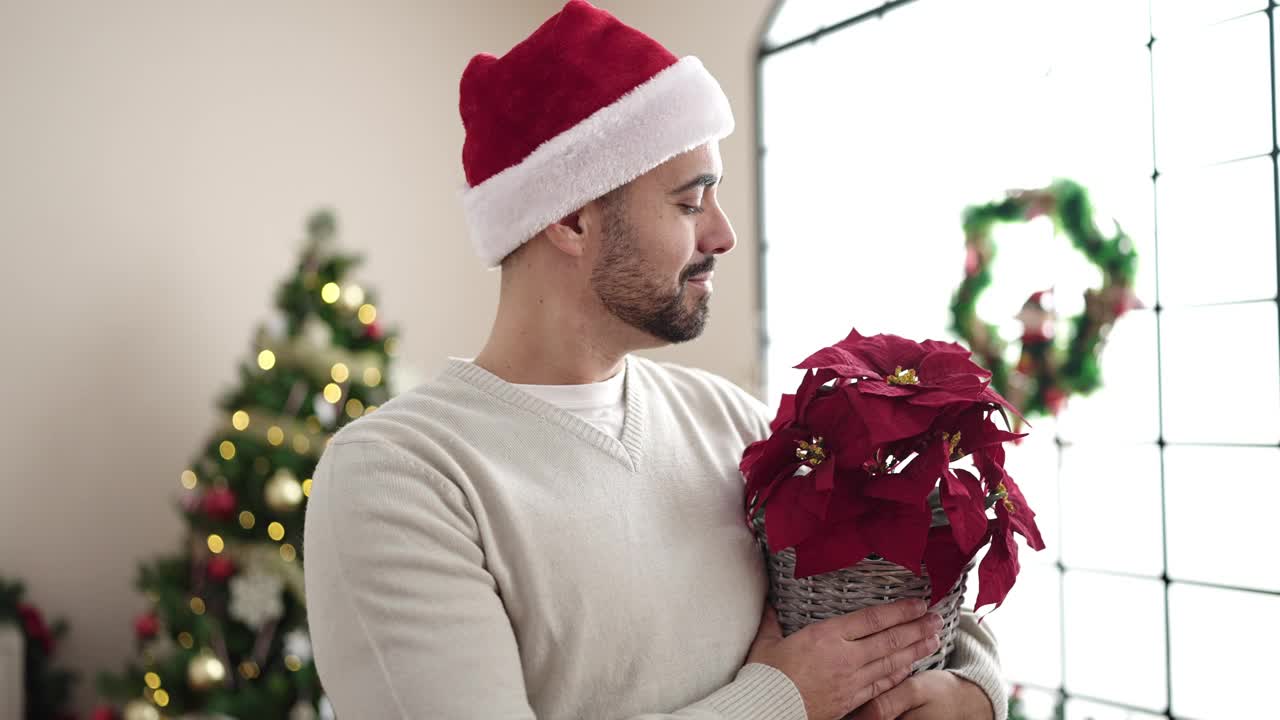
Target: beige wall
[[156, 162]]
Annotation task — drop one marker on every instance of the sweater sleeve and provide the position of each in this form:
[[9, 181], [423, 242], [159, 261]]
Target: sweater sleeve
[[406, 622], [975, 659]]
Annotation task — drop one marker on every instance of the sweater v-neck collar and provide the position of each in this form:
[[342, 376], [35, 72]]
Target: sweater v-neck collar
[[628, 450]]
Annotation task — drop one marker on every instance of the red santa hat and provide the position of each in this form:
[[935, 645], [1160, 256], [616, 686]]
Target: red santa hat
[[582, 106]]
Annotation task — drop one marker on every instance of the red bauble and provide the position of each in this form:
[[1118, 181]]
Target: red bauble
[[104, 712], [373, 331], [219, 504], [146, 626], [220, 568]]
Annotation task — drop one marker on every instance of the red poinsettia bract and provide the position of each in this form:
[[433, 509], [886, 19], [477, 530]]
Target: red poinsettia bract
[[876, 426]]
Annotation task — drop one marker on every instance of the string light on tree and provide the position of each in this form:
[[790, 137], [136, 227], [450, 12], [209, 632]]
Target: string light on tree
[[266, 359], [372, 377], [367, 314], [339, 372], [205, 671], [227, 449], [275, 531], [332, 393], [275, 435], [355, 408], [330, 292], [189, 480], [240, 420], [247, 520]]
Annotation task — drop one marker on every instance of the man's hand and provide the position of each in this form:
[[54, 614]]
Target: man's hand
[[841, 663], [932, 695]]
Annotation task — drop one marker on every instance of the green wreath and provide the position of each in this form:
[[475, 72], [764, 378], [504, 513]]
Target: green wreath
[[1048, 372]]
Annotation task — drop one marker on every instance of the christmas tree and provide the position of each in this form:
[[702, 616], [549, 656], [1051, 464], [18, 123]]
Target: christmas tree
[[226, 632]]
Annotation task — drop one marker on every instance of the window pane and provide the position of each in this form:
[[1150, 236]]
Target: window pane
[[1028, 629], [1115, 639], [1037, 704], [1168, 16], [1223, 652], [1126, 406], [1034, 465], [1232, 542], [1218, 234], [797, 18], [1085, 710], [1213, 94], [1116, 22], [1221, 379], [1116, 486]]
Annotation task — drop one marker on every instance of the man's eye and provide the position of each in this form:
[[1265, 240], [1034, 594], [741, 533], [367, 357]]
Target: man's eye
[[691, 209]]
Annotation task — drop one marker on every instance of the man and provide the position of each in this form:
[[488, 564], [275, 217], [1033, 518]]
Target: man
[[554, 529]]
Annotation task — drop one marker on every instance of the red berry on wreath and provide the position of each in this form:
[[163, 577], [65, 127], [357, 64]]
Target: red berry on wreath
[[219, 504], [1026, 364], [1055, 400], [220, 568], [146, 626], [103, 712], [971, 261], [373, 331]]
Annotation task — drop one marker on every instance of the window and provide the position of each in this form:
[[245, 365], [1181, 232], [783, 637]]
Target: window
[[881, 121]]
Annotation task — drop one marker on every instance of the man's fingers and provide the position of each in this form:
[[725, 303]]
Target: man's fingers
[[869, 621], [887, 642], [890, 705], [903, 659]]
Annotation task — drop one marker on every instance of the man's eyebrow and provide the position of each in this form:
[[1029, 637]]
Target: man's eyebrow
[[703, 180]]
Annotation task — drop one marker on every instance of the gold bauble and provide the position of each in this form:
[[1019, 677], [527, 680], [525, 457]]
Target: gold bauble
[[283, 492], [206, 671], [140, 710]]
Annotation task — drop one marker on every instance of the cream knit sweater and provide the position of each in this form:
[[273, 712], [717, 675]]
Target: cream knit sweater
[[475, 552]]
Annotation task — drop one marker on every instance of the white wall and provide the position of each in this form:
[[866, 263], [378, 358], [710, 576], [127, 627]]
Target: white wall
[[157, 160]]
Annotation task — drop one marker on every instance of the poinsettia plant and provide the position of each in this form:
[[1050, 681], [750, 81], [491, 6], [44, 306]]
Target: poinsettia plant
[[890, 448]]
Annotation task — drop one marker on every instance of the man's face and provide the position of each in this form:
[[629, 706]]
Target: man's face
[[659, 239]]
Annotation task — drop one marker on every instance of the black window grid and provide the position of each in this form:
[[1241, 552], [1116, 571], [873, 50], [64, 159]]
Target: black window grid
[[765, 51]]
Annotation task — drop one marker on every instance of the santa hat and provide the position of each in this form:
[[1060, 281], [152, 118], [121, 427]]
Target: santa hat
[[582, 106]]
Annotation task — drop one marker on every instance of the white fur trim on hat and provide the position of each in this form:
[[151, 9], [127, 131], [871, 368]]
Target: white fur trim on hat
[[676, 110]]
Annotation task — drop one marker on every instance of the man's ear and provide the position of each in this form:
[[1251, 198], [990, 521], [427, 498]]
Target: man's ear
[[567, 235]]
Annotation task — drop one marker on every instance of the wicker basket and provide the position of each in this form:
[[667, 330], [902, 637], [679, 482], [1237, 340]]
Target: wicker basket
[[874, 581]]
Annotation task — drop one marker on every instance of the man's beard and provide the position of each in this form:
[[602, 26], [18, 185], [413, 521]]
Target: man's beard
[[632, 290]]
